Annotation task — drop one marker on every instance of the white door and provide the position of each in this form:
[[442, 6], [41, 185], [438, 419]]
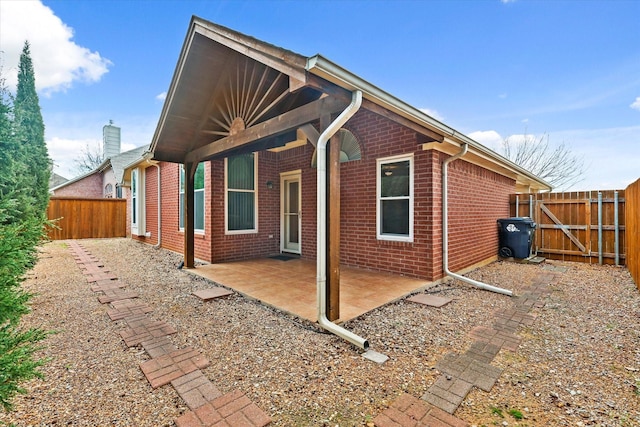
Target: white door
[[291, 223]]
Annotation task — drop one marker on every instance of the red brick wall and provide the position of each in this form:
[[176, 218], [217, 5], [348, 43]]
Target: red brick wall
[[477, 198], [229, 247], [172, 237], [89, 187], [379, 138], [300, 158]]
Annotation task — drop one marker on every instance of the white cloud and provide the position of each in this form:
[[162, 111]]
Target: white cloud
[[432, 113], [65, 151], [161, 96], [636, 104], [489, 138], [57, 60]]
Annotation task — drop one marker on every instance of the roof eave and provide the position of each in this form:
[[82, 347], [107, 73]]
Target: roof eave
[[330, 71], [286, 61]]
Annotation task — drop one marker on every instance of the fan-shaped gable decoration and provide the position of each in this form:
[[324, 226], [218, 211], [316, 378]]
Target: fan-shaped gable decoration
[[349, 148]]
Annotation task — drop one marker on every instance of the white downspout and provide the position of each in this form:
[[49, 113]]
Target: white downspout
[[321, 256], [445, 231], [157, 245]]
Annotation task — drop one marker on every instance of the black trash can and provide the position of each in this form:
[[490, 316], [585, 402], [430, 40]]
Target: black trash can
[[516, 235]]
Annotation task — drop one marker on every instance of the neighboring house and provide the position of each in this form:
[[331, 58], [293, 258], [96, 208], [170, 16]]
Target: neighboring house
[[244, 118], [56, 180], [105, 181]]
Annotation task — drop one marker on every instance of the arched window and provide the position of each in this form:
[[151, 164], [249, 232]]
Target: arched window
[[108, 191]]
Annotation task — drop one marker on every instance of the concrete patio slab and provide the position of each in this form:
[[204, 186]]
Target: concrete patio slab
[[212, 293], [430, 300], [291, 286]]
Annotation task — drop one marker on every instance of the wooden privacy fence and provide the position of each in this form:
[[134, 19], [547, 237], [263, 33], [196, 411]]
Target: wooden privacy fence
[[87, 218], [633, 230], [584, 226]]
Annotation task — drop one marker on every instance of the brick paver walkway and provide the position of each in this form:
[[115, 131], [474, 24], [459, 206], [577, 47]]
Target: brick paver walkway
[[168, 364], [209, 407], [462, 372], [410, 411], [230, 410], [195, 389], [168, 367]]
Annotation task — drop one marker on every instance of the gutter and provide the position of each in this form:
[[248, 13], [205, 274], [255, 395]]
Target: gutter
[[321, 256], [445, 231]]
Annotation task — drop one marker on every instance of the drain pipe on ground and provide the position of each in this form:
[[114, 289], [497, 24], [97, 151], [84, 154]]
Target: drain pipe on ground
[[321, 256], [445, 231]]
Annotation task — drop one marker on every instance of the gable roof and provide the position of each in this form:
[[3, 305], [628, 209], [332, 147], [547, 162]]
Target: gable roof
[[56, 180], [256, 95], [119, 162]]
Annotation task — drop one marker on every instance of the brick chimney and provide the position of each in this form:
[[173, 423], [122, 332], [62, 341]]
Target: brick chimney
[[110, 140]]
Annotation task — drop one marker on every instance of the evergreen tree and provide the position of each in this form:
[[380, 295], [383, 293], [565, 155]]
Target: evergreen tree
[[22, 220], [29, 129]]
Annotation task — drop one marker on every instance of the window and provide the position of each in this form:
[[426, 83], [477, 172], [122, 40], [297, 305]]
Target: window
[[108, 191], [241, 201], [395, 198], [137, 202], [198, 194]]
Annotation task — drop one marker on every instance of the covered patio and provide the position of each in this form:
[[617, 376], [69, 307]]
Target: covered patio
[[291, 285], [233, 96]]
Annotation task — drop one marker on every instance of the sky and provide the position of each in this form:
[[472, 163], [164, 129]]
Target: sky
[[491, 69]]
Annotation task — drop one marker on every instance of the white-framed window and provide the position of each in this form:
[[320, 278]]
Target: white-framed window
[[394, 210], [108, 191], [137, 201], [198, 194], [241, 198]]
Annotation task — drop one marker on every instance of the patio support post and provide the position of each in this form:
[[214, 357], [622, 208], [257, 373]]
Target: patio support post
[[333, 236], [188, 213], [321, 223]]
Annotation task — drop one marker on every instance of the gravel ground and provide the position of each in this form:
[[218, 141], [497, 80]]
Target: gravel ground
[[578, 365]]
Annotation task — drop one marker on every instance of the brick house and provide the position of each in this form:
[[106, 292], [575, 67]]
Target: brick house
[[106, 180], [250, 137]]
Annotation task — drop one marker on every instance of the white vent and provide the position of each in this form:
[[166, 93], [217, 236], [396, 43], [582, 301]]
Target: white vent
[[349, 148]]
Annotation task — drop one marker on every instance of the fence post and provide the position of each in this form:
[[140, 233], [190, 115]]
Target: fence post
[[615, 216], [531, 206], [599, 227]]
